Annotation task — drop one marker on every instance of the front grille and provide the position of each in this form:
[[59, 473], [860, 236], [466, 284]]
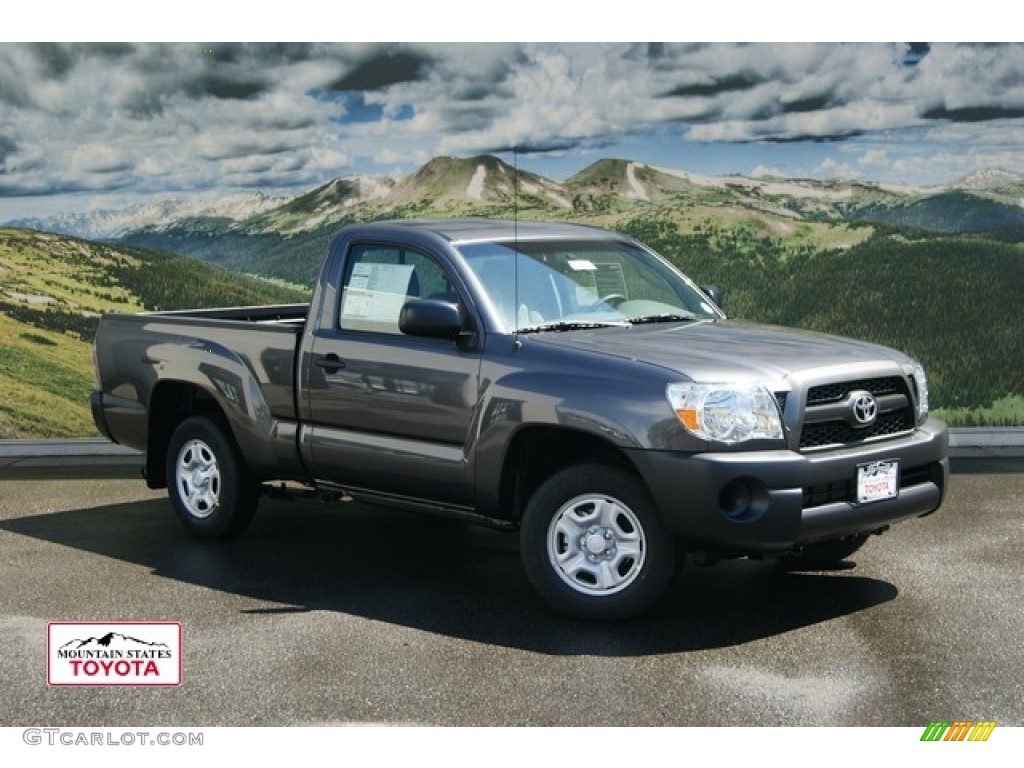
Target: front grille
[[828, 393], [828, 421], [841, 433]]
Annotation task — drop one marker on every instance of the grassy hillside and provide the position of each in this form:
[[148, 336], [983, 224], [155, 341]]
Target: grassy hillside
[[52, 291]]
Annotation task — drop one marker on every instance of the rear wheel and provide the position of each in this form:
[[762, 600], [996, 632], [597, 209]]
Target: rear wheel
[[593, 544], [823, 554], [210, 488]]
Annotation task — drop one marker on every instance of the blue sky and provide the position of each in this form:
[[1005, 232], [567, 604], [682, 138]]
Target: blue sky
[[85, 126]]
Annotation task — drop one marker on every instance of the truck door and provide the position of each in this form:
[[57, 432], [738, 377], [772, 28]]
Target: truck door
[[390, 413]]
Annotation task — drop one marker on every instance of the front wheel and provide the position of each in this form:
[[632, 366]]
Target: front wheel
[[210, 488], [593, 544]]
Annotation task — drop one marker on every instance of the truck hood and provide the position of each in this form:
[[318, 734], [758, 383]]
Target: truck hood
[[727, 350]]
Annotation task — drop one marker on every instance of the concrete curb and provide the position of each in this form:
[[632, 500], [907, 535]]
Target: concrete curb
[[80, 454], [67, 454], [986, 442]]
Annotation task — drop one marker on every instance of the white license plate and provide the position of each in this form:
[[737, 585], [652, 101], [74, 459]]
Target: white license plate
[[878, 480]]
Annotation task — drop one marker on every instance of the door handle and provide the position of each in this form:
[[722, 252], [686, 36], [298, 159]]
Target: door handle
[[330, 363]]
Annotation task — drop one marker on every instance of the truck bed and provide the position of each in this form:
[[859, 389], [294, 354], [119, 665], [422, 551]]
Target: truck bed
[[244, 357]]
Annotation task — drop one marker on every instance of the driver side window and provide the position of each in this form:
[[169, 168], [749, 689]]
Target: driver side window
[[379, 279]]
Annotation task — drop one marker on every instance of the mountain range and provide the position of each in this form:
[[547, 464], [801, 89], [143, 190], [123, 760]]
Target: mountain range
[[485, 185], [112, 224], [287, 238]]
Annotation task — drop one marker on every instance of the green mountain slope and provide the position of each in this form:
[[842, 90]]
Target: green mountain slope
[[53, 290], [952, 212], [295, 258]]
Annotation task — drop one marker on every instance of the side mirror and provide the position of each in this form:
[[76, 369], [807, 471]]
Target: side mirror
[[713, 293], [432, 318]]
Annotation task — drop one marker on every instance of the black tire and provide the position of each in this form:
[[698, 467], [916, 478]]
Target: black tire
[[210, 489], [594, 546], [823, 554]]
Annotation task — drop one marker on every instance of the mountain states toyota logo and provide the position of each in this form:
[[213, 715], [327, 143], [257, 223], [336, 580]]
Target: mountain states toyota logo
[[105, 653]]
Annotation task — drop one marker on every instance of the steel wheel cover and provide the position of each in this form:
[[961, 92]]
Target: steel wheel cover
[[596, 545], [198, 479]]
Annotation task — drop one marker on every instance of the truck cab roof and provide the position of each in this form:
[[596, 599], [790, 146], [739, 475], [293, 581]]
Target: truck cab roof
[[470, 230]]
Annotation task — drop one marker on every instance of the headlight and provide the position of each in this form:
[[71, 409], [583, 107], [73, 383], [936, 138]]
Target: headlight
[[726, 413], [921, 383]]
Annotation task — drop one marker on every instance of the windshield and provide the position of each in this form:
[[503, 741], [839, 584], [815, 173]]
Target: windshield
[[565, 284]]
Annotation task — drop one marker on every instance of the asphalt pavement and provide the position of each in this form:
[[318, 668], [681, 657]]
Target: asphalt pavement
[[346, 614]]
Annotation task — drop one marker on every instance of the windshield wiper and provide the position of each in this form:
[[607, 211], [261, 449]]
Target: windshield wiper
[[575, 325], [668, 317]]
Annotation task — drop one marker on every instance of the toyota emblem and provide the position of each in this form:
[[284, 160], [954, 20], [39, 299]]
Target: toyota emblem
[[864, 408]]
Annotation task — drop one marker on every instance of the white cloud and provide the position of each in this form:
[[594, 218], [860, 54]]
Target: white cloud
[[98, 159], [874, 158], [161, 117]]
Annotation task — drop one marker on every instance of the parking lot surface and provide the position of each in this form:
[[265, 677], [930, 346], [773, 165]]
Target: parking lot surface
[[346, 614]]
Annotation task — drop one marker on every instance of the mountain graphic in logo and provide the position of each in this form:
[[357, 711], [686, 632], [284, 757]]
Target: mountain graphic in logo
[[110, 641]]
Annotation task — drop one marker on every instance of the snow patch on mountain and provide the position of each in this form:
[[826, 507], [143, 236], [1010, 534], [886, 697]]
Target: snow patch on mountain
[[637, 191], [475, 188], [774, 187], [990, 178]]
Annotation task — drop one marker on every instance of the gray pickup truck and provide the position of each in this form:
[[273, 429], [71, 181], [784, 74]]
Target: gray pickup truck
[[562, 381]]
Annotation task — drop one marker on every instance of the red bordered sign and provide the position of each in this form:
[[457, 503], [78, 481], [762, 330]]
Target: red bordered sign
[[113, 653]]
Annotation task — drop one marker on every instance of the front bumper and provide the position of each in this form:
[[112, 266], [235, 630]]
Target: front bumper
[[771, 501]]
